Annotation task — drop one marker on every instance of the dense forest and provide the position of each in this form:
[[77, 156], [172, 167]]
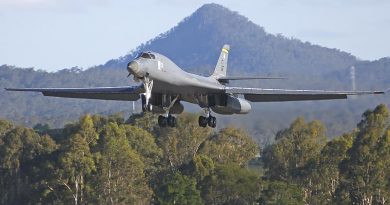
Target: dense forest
[[110, 160]]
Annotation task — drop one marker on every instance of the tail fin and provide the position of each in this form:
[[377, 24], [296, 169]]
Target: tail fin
[[221, 67]]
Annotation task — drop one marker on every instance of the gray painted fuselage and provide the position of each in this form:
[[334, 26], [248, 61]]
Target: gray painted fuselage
[[170, 79]]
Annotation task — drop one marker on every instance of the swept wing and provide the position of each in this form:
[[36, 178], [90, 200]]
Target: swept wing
[[279, 95], [125, 93]]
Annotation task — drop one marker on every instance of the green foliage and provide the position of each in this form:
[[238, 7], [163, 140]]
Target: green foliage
[[230, 145], [103, 160], [231, 184], [144, 144], [21, 154], [366, 169], [120, 176], [178, 189], [202, 166], [294, 149], [181, 144], [76, 163], [281, 193], [325, 174]]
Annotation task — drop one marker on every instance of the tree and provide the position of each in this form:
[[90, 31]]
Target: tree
[[178, 189], [295, 147], [231, 184], [144, 144], [145, 120], [201, 166], [20, 152], [87, 130], [230, 146], [182, 143], [77, 163], [278, 192], [41, 128], [366, 169], [325, 174], [120, 171]]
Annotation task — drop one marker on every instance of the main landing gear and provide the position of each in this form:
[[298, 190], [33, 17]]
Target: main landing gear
[[208, 120], [167, 121]]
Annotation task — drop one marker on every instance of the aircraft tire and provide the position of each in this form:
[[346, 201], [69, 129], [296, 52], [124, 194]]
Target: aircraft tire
[[171, 121], [202, 121], [212, 121], [162, 121]]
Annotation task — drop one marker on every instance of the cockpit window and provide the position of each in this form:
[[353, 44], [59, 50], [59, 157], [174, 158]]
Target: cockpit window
[[146, 55]]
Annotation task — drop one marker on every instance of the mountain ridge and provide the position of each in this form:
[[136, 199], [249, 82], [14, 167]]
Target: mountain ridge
[[212, 23]]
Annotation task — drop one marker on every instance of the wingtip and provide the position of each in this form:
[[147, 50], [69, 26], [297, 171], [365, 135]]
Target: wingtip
[[12, 89]]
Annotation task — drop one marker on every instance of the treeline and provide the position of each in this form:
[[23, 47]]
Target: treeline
[[107, 160]]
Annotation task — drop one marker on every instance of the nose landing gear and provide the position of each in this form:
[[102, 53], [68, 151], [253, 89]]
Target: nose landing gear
[[145, 97]]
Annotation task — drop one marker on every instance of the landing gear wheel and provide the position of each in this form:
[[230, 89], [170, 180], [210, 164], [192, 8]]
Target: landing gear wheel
[[171, 121], [212, 121], [202, 121], [162, 121]]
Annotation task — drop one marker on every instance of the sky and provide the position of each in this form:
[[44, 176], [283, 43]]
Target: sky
[[56, 34]]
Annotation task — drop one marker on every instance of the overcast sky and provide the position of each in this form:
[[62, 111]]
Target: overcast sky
[[56, 34]]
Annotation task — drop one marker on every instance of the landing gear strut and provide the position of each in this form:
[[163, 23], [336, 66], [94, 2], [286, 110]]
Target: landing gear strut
[[145, 97], [208, 120], [168, 119]]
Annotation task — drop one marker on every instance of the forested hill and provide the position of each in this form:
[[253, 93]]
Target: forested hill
[[194, 44]]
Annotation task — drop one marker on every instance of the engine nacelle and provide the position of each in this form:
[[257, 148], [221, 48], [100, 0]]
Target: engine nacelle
[[234, 105]]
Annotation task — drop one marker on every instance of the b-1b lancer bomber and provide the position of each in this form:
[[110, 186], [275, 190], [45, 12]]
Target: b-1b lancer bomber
[[164, 86]]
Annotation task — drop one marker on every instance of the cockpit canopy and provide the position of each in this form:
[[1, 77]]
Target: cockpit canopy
[[146, 55]]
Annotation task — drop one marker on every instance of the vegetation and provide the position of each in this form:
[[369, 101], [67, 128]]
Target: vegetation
[[107, 160]]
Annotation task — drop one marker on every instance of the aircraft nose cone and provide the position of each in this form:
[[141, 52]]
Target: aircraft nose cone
[[134, 68]]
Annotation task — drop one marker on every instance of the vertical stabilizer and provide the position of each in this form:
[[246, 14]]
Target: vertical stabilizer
[[221, 67]]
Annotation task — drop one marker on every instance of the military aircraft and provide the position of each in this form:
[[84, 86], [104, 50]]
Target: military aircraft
[[164, 86]]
